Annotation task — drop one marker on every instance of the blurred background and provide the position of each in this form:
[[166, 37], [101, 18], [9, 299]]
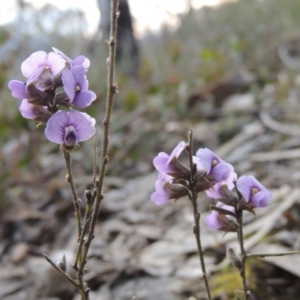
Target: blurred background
[[228, 69]]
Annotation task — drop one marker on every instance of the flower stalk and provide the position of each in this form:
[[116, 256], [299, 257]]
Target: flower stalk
[[111, 91], [69, 177], [196, 213]]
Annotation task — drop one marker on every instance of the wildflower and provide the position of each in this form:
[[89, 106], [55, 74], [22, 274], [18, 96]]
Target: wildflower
[[216, 168], [70, 127], [162, 160], [253, 192], [39, 62], [76, 87]]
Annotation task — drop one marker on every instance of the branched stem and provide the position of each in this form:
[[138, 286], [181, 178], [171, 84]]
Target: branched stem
[[196, 228], [86, 222], [111, 91], [65, 275]]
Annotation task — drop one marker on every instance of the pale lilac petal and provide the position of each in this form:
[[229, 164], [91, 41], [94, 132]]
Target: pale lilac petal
[[79, 60], [215, 167], [89, 118], [84, 98], [69, 127], [244, 185], [212, 221], [214, 192], [159, 198], [64, 56], [83, 125], [160, 162], [177, 151], [80, 78], [33, 62], [69, 83], [18, 89], [206, 158], [55, 62], [253, 191], [55, 128], [221, 171], [27, 110], [261, 199], [198, 163], [86, 64]]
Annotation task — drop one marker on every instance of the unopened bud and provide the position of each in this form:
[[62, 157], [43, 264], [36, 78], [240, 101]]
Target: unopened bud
[[180, 170], [246, 206], [38, 97], [202, 181], [88, 196], [62, 264], [43, 114], [228, 224], [62, 99], [234, 258], [175, 191], [228, 197]]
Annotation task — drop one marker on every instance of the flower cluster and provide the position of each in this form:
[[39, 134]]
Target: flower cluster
[[175, 179], [214, 176], [54, 84]]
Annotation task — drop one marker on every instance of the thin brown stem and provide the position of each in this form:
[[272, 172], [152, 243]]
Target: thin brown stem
[[89, 203], [196, 230], [111, 91], [69, 177], [262, 255], [196, 227], [239, 214], [189, 149]]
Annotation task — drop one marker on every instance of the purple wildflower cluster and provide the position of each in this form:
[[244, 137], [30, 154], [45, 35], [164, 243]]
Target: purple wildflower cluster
[[54, 81], [214, 176]]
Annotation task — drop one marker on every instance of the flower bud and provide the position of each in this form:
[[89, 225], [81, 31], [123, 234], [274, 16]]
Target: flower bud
[[63, 264], [42, 114], [202, 181], [179, 170], [227, 225], [234, 258], [228, 197], [175, 190], [62, 99], [38, 97]]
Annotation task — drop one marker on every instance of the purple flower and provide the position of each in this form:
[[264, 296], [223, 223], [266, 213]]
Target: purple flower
[[27, 110], [253, 192], [162, 160], [40, 61], [76, 87], [229, 182], [18, 89], [70, 127], [216, 221], [161, 196], [78, 61], [215, 167]]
